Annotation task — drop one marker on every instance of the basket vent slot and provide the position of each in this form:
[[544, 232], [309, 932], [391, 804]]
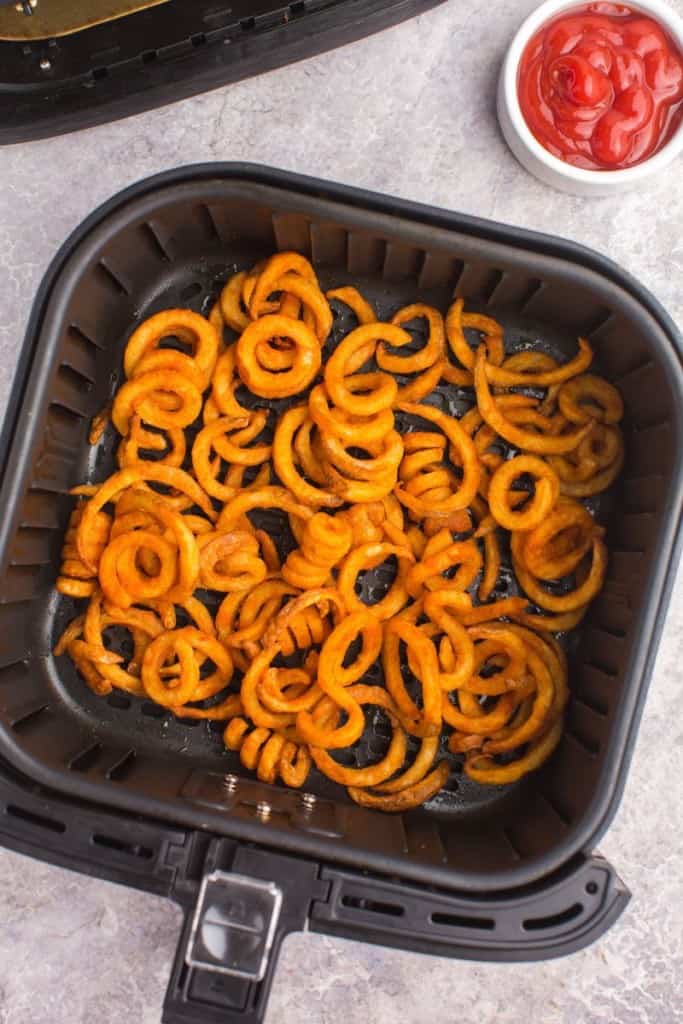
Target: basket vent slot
[[39, 820], [191, 291], [564, 816], [82, 336], [154, 238], [593, 703], [105, 273], [533, 288], [64, 421], [84, 761], [463, 921], [123, 769], [599, 320], [516, 852], [490, 286], [373, 906], [646, 364], [24, 723], [204, 215], [152, 710], [616, 632], [537, 924], [73, 379], [122, 846], [591, 747], [116, 700], [602, 664]]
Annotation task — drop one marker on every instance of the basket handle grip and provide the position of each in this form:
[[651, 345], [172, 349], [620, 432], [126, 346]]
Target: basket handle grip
[[238, 917], [196, 996], [557, 916]]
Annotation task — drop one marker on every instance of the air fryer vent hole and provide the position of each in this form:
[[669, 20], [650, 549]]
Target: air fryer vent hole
[[191, 291], [458, 271], [84, 761], [39, 820], [463, 921], [512, 844], [120, 771], [591, 747], [115, 700], [373, 906], [121, 846], [594, 703], [602, 665], [599, 320], [152, 710], [490, 286], [204, 214], [564, 816], [82, 336], [74, 379], [537, 924], [105, 273], [153, 236], [614, 631], [29, 719], [647, 364], [533, 288]]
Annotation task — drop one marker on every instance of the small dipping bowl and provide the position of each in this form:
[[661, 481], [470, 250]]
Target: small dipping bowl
[[535, 157]]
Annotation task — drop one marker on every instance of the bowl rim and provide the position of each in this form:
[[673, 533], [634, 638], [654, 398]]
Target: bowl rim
[[670, 20]]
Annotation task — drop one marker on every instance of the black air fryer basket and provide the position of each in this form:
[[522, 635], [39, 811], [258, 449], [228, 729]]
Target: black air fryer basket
[[118, 788]]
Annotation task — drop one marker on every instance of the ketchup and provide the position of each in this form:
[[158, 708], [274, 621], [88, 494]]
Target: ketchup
[[601, 86]]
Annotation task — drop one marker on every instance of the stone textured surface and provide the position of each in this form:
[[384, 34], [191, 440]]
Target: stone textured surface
[[409, 112]]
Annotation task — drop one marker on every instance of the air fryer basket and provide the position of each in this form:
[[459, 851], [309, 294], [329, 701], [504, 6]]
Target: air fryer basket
[[173, 240]]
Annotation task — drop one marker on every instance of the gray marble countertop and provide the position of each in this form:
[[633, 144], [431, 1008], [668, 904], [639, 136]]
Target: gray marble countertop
[[409, 112]]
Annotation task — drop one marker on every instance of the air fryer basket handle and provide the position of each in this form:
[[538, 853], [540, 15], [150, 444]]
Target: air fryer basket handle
[[197, 996], [240, 902], [555, 917], [264, 896]]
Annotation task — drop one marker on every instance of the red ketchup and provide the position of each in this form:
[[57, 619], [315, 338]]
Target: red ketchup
[[601, 86]]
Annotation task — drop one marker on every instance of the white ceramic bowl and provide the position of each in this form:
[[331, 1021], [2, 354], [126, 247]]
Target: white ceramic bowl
[[528, 150]]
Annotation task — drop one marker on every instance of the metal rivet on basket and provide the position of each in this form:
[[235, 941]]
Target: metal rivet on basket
[[45, 64], [308, 800], [230, 783], [26, 7], [263, 809]]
